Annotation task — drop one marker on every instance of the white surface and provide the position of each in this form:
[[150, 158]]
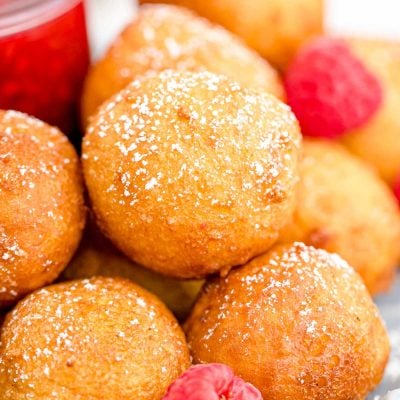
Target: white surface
[[395, 395], [377, 18]]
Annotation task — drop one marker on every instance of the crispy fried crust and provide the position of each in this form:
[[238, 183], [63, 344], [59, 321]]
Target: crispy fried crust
[[275, 28], [189, 174], [298, 323], [344, 207], [103, 338], [96, 255], [163, 37], [378, 140], [42, 212]]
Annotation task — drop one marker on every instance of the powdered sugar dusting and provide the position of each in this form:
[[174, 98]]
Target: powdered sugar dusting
[[33, 156], [299, 289], [81, 329], [196, 123]]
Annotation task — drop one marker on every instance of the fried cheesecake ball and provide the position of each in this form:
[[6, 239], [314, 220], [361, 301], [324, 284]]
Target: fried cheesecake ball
[[275, 28], [42, 210], [103, 338], [378, 141], [344, 207], [169, 37], [96, 256], [297, 323], [189, 174]]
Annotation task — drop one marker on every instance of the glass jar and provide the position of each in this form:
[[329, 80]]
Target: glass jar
[[43, 58]]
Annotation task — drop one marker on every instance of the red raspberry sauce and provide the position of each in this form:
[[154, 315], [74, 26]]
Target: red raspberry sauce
[[42, 68]]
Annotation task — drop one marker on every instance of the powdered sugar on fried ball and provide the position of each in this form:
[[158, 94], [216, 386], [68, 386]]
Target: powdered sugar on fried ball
[[163, 37], [41, 196], [343, 206], [103, 338], [297, 323], [275, 28], [189, 174]]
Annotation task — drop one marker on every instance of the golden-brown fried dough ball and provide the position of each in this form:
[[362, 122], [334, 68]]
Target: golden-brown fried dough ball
[[297, 322], [189, 174], [275, 28], [378, 141], [344, 207], [97, 256], [103, 338], [41, 196], [163, 37]]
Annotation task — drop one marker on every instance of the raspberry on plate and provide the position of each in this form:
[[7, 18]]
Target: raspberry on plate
[[330, 90], [211, 382]]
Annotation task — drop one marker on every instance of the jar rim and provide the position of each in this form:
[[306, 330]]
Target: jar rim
[[20, 15]]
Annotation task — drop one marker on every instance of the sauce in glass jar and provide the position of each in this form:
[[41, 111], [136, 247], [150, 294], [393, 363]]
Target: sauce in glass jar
[[43, 58]]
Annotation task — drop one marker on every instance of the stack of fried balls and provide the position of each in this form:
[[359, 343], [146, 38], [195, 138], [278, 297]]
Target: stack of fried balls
[[232, 214]]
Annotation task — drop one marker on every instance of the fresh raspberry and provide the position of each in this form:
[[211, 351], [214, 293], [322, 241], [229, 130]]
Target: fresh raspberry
[[330, 90], [211, 382], [241, 390]]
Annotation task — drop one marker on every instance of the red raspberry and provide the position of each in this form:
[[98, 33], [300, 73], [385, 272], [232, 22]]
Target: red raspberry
[[241, 390], [211, 382], [330, 90]]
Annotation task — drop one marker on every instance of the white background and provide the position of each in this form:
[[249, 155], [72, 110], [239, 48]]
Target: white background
[[362, 17]]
